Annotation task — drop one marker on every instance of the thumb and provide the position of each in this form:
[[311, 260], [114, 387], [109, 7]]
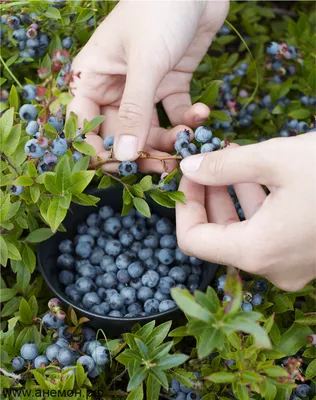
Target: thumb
[[136, 110], [245, 164]]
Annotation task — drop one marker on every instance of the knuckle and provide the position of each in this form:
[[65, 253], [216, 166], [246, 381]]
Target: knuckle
[[130, 114]]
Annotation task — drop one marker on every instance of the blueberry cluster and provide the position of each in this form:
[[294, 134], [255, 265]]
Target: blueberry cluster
[[125, 266], [182, 392], [204, 142], [65, 351], [250, 299], [301, 392]]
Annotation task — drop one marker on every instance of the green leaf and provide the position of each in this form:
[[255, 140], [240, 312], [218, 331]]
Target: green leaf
[[275, 334], [210, 94], [23, 181], [261, 338], [94, 123], [85, 199], [186, 378], [105, 182], [57, 211], [137, 378], [282, 303], [3, 252], [71, 127], [310, 352], [84, 15], [50, 183], [136, 394], [39, 235], [162, 199], [35, 193], [172, 361], [142, 206], [179, 332], [308, 320], [294, 339], [14, 98], [80, 180], [251, 376], [146, 183], [63, 174], [141, 347], [29, 258], [7, 294], [220, 116], [82, 164], [23, 277], [25, 312], [233, 288], [158, 335], [152, 388], [52, 13], [301, 113], [84, 148], [160, 376], [33, 305], [40, 379], [65, 98], [80, 374], [222, 377], [69, 382], [207, 301], [209, 340], [187, 303], [311, 370], [177, 196], [146, 330], [13, 140], [161, 351], [269, 323], [6, 123]]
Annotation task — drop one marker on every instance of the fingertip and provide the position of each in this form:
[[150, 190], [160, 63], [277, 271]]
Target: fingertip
[[197, 114]]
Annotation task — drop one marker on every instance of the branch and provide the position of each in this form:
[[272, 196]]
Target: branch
[[142, 155], [8, 161], [117, 378], [11, 374]]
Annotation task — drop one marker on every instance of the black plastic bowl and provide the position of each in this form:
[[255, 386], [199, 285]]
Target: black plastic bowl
[[48, 253]]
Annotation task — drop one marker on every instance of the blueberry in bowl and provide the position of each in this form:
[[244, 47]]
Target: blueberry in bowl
[[118, 271]]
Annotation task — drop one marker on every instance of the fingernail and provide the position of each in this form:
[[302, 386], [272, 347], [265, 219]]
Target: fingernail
[[191, 164], [198, 119], [126, 148]]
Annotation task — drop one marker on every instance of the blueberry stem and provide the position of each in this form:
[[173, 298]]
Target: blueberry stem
[[117, 378], [11, 74]]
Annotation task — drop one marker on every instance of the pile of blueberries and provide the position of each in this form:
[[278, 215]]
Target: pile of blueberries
[[125, 266], [66, 351], [182, 392]]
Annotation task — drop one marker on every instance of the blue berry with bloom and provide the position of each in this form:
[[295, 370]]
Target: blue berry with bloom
[[33, 149], [67, 42], [108, 142], [273, 48], [32, 128], [203, 134], [59, 146], [28, 112], [56, 123], [17, 190], [127, 168], [76, 156], [207, 148]]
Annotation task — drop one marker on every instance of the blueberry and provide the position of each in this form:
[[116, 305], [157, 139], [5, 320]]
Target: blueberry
[[257, 299], [302, 127], [108, 264], [85, 285], [123, 276], [145, 253], [65, 260], [102, 309], [109, 280], [177, 274], [185, 134], [203, 134], [284, 133], [170, 186], [112, 225], [163, 270], [109, 293], [13, 21], [66, 246], [116, 313], [138, 231], [94, 220], [165, 284], [108, 142], [193, 396], [136, 246], [181, 144], [102, 239], [74, 295], [208, 148], [87, 271], [134, 308], [67, 42], [66, 277], [87, 363], [164, 226], [56, 123], [144, 293], [166, 256], [127, 168], [166, 305], [116, 301], [113, 247], [193, 282], [124, 260], [63, 332], [59, 146], [96, 256], [33, 149], [152, 241], [136, 283], [101, 355], [216, 142], [88, 334], [260, 286], [184, 389], [101, 290], [135, 269], [126, 238], [168, 241], [303, 390], [196, 261], [52, 352], [196, 270], [18, 363], [150, 279], [16, 190], [245, 306], [19, 35], [50, 321], [128, 221], [65, 356], [83, 249], [41, 362], [151, 306], [29, 93]]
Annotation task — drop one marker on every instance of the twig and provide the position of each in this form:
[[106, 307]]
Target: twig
[[282, 11], [11, 374], [142, 156], [11, 74], [117, 378], [8, 161]]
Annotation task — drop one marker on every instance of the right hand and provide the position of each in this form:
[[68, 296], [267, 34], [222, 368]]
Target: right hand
[[278, 238]]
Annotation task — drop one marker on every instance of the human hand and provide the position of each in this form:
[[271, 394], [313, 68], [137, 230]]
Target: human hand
[[278, 238], [142, 53]]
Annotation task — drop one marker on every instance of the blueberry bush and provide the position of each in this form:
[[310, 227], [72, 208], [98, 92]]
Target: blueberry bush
[[243, 338]]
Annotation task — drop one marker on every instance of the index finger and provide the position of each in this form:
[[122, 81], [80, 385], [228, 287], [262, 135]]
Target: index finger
[[216, 243]]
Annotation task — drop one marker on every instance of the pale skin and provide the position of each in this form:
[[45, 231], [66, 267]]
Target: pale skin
[[145, 52]]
